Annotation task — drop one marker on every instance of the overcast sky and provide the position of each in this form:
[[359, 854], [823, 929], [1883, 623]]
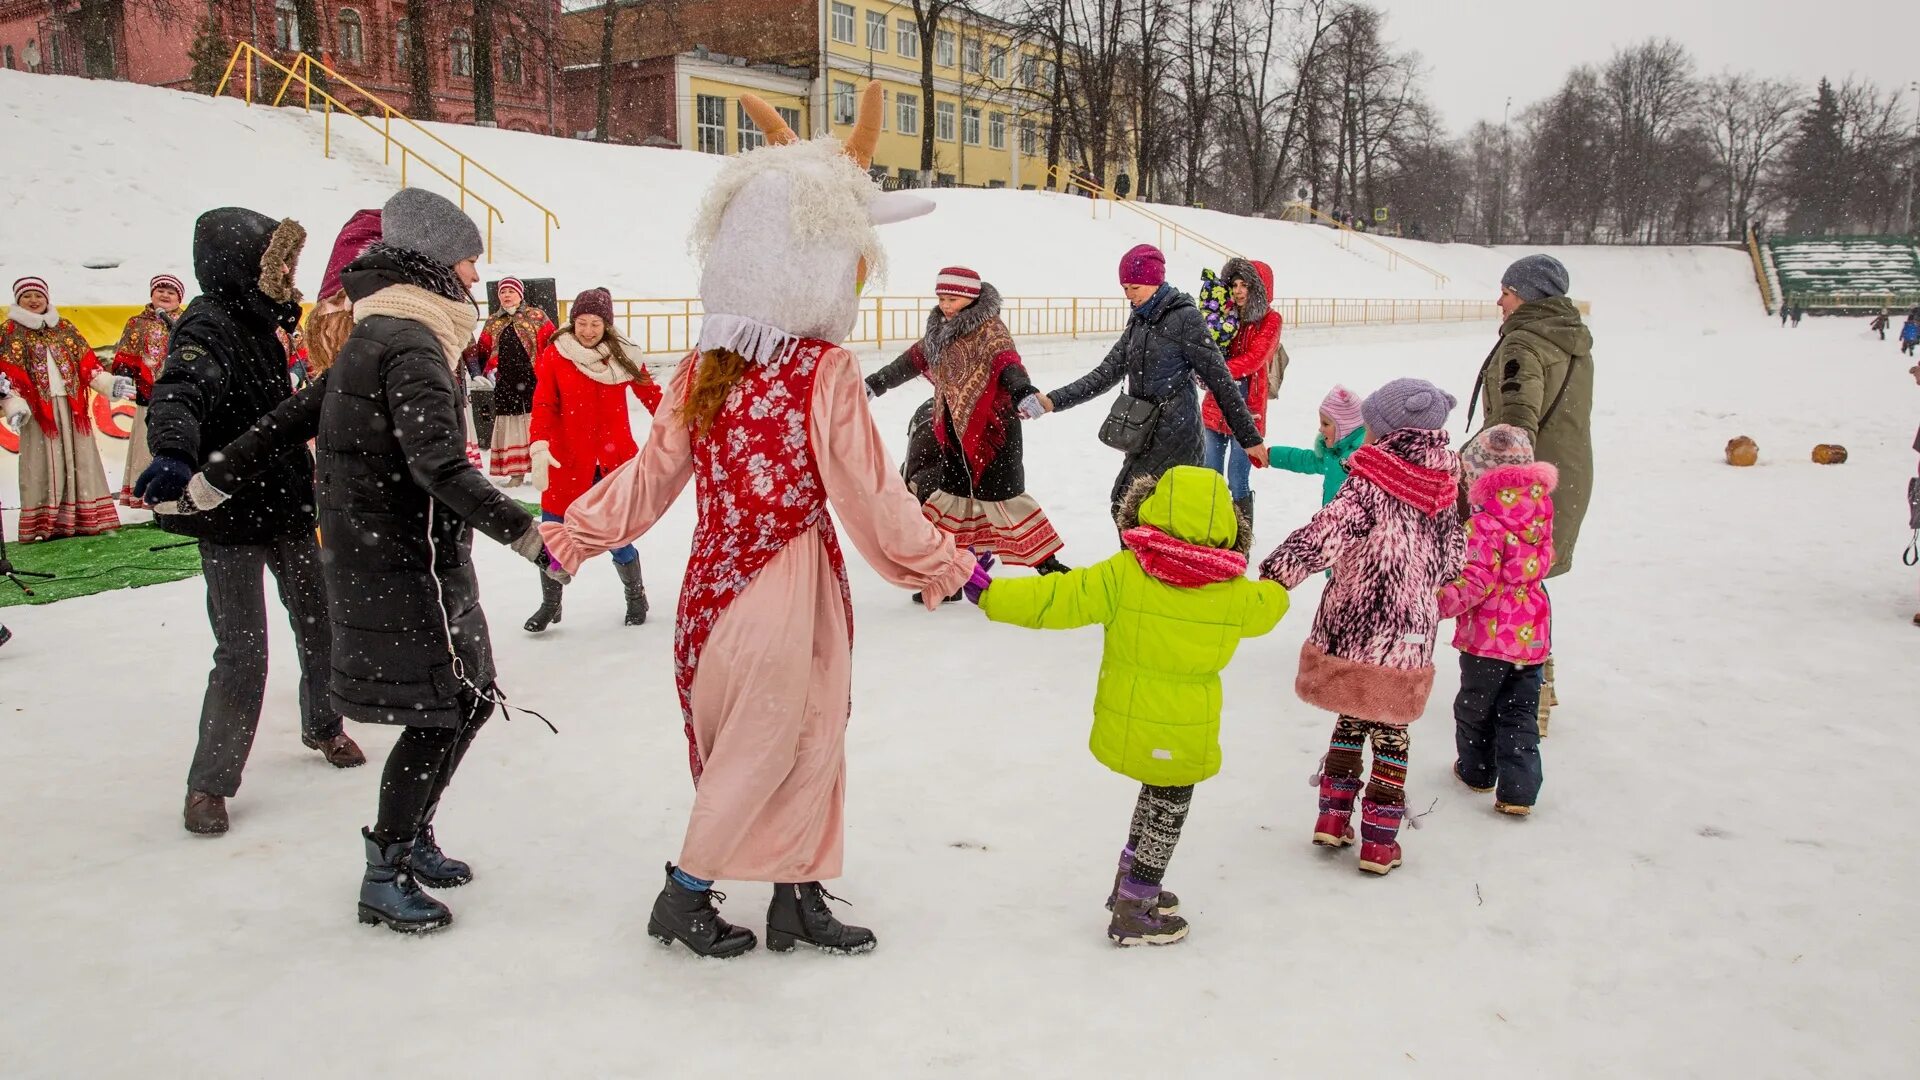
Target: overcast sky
[[1480, 52]]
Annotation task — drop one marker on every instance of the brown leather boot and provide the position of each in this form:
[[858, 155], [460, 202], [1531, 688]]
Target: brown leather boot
[[206, 815], [340, 751]]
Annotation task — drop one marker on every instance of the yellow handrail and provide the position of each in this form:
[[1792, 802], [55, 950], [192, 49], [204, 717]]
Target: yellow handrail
[[1347, 232], [671, 326], [1760, 270], [303, 71], [1070, 180]]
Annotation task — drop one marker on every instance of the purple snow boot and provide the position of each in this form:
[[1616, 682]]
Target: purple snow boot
[[1136, 922], [1168, 904]]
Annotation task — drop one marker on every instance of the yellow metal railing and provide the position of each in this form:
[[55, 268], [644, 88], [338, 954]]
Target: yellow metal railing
[[1170, 232], [1760, 270], [671, 326], [1347, 233], [303, 73]]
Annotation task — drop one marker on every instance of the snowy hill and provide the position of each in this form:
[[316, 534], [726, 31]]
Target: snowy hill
[[123, 170]]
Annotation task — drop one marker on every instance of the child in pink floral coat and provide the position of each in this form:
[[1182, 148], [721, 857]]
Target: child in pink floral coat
[[1504, 631]]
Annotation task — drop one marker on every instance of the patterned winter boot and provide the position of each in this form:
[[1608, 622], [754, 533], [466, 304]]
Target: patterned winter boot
[[1135, 918], [1335, 825], [1379, 824]]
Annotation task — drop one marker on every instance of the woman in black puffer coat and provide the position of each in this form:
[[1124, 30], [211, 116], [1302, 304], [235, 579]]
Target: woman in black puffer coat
[[398, 502]]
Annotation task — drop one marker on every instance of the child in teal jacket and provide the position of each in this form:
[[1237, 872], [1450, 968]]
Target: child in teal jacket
[[1175, 604], [1341, 433]]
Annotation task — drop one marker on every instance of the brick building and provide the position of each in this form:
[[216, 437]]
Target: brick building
[[147, 41]]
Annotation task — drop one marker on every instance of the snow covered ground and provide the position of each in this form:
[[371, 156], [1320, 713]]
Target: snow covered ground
[[1715, 883]]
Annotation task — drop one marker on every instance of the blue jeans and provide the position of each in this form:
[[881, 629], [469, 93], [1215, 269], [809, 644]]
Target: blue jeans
[[621, 555], [1223, 455]]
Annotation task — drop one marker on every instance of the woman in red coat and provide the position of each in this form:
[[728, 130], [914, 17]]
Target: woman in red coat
[[580, 431], [1252, 285]]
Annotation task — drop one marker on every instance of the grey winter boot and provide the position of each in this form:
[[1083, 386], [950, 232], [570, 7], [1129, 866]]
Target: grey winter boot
[[549, 612], [389, 895], [636, 592]]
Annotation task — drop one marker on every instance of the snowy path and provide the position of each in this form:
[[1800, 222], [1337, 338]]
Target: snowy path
[[1717, 882]]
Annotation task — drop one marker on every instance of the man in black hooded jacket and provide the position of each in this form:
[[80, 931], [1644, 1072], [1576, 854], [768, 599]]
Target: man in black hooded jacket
[[226, 369]]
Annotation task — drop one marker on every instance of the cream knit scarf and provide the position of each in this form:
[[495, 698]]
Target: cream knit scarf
[[450, 321], [594, 363]]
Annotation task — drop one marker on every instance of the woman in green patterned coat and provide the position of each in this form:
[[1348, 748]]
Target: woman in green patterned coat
[[1539, 378]]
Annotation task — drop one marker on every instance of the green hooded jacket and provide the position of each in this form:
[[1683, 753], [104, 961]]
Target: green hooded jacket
[[1156, 711], [1540, 378], [1329, 463]]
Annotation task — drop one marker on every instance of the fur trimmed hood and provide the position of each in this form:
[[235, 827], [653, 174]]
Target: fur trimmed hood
[[1128, 516], [1491, 482], [1259, 279]]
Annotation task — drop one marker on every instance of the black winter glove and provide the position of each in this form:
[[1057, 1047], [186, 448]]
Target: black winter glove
[[164, 480]]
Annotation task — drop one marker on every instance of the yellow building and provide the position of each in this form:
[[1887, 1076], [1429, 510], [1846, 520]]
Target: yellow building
[[989, 106]]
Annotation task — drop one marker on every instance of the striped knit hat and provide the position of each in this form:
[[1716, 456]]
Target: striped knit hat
[[167, 280], [957, 281], [30, 284], [1342, 406], [512, 283]]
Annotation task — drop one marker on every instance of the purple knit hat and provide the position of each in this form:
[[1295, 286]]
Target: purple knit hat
[[1143, 265], [593, 302], [361, 232], [1342, 406], [1406, 403]]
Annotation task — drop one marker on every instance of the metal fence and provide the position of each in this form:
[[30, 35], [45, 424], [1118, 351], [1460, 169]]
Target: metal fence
[[672, 325]]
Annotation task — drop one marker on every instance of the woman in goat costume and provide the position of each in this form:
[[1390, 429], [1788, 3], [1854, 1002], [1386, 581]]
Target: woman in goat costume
[[768, 417]]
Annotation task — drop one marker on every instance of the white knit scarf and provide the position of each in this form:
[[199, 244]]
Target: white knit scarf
[[595, 363], [450, 321]]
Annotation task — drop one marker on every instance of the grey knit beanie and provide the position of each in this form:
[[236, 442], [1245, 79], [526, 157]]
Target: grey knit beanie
[[424, 223], [1406, 403], [1536, 277]]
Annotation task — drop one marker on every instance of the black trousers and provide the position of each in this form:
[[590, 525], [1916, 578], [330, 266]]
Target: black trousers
[[421, 765], [1496, 728], [237, 611]]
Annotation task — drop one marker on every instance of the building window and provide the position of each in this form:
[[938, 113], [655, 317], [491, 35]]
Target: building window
[[997, 131], [792, 117], [1029, 139], [842, 102], [943, 47], [286, 26], [843, 23], [970, 125], [1029, 78], [943, 121], [353, 37], [909, 39], [972, 52], [710, 124], [997, 63], [751, 137], [512, 69], [945, 179], [907, 107], [877, 31], [400, 47], [461, 49]]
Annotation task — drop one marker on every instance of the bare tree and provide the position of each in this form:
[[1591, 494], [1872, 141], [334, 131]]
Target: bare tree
[[1748, 121], [1197, 68], [1272, 105], [419, 60], [603, 105], [1650, 91]]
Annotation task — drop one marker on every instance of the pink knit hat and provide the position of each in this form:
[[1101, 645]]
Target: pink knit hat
[[167, 280], [1143, 265], [361, 232], [1342, 406], [513, 283]]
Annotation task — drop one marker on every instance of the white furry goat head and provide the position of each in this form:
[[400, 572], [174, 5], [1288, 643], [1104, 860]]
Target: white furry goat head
[[785, 236]]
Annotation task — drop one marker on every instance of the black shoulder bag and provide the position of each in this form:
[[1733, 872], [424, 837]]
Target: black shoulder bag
[[1129, 425]]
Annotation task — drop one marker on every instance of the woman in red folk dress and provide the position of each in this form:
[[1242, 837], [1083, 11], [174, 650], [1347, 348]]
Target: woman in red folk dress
[[511, 343], [141, 355], [63, 484], [581, 432], [768, 418]]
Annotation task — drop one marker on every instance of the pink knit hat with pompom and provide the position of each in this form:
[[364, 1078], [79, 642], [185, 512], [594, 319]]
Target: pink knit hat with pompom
[[1342, 406]]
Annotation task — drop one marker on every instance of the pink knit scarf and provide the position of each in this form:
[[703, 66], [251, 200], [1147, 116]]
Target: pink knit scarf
[[1179, 563]]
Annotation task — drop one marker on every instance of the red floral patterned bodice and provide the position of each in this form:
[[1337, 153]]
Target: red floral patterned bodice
[[145, 340], [758, 488], [29, 356]]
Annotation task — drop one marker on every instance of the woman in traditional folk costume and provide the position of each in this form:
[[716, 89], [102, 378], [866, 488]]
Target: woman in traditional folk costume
[[978, 383], [63, 484], [769, 420], [141, 355], [511, 343]]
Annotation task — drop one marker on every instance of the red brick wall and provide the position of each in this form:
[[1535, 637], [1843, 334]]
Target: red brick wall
[[763, 31], [643, 101]]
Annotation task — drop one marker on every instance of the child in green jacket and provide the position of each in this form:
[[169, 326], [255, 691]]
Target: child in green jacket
[[1341, 433], [1175, 605]]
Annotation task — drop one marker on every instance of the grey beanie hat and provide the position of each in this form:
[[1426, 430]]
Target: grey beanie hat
[[424, 223], [1406, 403], [1536, 277]]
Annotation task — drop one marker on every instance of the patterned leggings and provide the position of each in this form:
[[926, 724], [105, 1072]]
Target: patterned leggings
[[1158, 816], [1388, 783]]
